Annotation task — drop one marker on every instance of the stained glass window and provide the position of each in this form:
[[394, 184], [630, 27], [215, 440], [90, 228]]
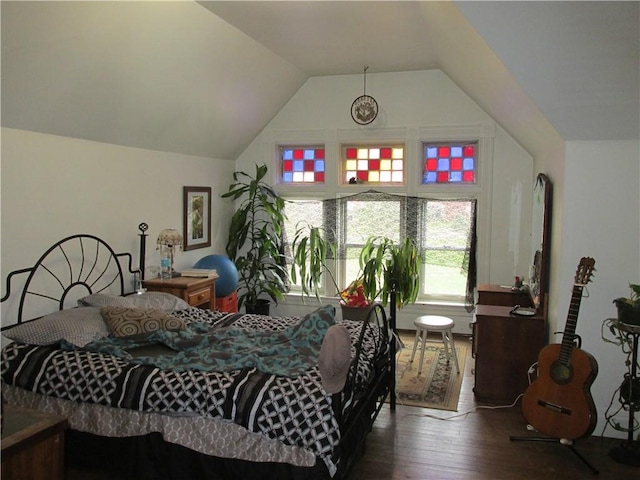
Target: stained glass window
[[373, 164], [302, 164], [451, 163]]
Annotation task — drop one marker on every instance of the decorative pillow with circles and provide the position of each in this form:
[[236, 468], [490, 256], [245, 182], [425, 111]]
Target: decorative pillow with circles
[[125, 322]]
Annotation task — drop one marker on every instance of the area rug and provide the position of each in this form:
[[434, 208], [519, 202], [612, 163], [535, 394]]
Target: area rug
[[438, 385]]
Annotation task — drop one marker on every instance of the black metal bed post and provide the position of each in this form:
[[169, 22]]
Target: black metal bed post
[[392, 321], [143, 227]]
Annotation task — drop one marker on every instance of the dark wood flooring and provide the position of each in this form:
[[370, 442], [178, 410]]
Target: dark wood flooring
[[473, 444]]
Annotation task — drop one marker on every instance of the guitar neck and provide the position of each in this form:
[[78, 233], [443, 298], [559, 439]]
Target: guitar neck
[[569, 334]]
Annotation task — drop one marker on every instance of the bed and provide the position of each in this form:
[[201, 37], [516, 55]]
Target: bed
[[154, 388]]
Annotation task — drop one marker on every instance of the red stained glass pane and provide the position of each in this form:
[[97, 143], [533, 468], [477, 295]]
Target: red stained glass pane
[[298, 154], [443, 152], [309, 165], [456, 164], [319, 153], [468, 151], [467, 176], [374, 164], [385, 153], [432, 165], [352, 153], [319, 177], [443, 177], [287, 166], [363, 175]]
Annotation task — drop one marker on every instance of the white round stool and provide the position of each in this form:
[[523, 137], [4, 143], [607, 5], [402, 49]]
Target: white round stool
[[435, 323]]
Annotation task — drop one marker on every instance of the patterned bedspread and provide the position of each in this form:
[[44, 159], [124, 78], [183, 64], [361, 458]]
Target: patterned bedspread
[[294, 410]]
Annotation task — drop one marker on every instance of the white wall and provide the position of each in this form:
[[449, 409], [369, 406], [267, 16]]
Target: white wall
[[411, 105], [55, 186], [601, 220]]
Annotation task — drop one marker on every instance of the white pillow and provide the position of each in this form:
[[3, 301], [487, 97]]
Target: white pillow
[[158, 300], [104, 300], [78, 326]]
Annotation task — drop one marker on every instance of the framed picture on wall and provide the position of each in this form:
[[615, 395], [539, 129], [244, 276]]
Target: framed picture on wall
[[197, 217]]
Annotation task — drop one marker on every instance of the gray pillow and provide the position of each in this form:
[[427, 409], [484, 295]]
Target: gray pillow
[[105, 300], [78, 326], [158, 300]]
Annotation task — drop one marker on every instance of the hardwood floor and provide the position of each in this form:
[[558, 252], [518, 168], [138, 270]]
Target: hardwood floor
[[472, 444], [417, 443]]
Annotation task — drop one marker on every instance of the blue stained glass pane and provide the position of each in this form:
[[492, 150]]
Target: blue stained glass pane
[[319, 165], [287, 177], [432, 152], [309, 154], [455, 177], [467, 163], [429, 177], [287, 154], [443, 164], [456, 151], [298, 166]]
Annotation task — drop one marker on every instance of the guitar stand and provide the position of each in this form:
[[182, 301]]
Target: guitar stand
[[567, 443]]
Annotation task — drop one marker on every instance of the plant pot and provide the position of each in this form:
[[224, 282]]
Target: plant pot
[[627, 314], [359, 314], [261, 307]]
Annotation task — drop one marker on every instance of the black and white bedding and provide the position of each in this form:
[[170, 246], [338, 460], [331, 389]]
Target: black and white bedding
[[292, 409]]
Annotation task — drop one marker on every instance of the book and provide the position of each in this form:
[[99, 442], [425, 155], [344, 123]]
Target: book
[[199, 272]]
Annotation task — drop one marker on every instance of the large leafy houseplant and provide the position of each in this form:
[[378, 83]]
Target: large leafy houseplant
[[387, 265], [310, 252], [255, 238]]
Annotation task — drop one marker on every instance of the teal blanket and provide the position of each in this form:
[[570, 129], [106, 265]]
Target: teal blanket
[[288, 352]]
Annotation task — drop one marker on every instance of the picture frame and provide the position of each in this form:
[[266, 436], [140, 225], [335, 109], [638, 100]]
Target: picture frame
[[197, 217]]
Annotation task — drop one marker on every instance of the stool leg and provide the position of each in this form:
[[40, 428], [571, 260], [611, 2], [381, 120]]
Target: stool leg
[[415, 344], [445, 342], [453, 348], [424, 345]]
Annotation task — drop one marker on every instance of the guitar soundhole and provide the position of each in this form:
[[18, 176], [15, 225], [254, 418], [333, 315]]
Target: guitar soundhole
[[561, 374]]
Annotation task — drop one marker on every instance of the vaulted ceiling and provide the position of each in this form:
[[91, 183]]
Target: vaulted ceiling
[[204, 78]]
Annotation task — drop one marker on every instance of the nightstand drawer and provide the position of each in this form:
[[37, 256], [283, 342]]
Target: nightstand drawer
[[199, 297]]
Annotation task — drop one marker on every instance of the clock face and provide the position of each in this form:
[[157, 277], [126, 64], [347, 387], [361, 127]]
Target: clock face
[[364, 110]]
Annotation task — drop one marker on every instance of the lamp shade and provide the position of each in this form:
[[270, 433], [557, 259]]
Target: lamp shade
[[170, 237]]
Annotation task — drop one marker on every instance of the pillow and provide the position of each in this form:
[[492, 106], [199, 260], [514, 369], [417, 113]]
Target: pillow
[[159, 300], [78, 326], [124, 322], [104, 300]]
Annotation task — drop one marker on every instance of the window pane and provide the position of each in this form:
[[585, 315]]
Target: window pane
[[373, 164], [449, 163], [299, 214], [371, 218], [445, 232], [302, 164]]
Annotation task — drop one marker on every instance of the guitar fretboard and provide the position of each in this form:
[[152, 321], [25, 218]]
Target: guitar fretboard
[[569, 334]]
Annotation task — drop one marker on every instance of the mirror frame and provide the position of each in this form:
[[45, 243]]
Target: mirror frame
[[544, 188]]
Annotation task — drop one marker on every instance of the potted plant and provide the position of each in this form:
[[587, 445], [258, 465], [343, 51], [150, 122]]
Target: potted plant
[[629, 307], [310, 250], [255, 240], [385, 266]]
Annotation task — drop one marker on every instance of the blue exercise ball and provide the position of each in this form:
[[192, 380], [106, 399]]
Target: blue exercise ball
[[227, 273]]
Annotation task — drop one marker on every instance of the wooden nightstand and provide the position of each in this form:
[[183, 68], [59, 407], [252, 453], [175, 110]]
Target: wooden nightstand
[[32, 444], [197, 292]]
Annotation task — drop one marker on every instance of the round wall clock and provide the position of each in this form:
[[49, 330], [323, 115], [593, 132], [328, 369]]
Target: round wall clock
[[364, 110]]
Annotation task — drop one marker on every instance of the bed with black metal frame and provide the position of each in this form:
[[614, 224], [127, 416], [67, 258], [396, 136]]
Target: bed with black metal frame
[[140, 443]]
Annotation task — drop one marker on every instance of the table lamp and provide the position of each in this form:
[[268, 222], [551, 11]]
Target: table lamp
[[168, 240]]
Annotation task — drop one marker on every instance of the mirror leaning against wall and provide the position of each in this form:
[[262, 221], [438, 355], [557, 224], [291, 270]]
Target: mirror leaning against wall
[[540, 243]]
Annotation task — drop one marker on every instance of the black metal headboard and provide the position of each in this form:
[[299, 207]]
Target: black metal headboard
[[73, 267]]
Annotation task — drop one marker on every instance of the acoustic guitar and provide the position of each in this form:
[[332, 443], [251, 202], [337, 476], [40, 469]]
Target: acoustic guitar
[[558, 402]]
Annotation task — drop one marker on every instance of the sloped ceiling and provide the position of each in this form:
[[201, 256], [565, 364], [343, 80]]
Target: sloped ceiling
[[203, 78]]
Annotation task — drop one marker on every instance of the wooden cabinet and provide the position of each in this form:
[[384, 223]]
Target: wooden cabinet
[[504, 346], [32, 444], [489, 294], [197, 292]]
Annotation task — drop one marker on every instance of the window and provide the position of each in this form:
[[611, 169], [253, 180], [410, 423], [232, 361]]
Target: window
[[302, 164], [373, 164], [442, 230], [449, 163]]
